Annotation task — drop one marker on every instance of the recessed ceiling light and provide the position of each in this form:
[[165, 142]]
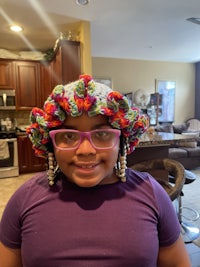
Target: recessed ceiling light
[[16, 28], [82, 2]]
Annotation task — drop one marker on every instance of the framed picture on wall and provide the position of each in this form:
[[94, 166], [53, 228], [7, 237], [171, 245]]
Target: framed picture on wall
[[156, 99], [166, 89], [105, 80], [130, 98]]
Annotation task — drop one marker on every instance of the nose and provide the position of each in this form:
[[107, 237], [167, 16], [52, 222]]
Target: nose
[[86, 147]]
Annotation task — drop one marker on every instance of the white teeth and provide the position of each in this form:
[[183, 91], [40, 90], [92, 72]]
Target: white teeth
[[87, 167]]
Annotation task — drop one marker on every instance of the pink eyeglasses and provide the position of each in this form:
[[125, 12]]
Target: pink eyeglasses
[[66, 139]]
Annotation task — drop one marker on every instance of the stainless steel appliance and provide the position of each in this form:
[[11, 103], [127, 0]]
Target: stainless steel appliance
[[9, 166], [7, 100]]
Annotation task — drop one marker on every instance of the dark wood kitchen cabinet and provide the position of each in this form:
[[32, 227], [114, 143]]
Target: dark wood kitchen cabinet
[[27, 84], [66, 65], [7, 74], [35, 80], [28, 162], [45, 80]]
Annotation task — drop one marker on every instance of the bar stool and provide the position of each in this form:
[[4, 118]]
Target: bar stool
[[190, 231], [171, 175], [161, 169]]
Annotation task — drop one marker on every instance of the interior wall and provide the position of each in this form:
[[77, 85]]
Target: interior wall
[[131, 75], [85, 47]]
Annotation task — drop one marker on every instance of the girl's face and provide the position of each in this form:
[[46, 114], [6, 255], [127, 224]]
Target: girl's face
[[87, 166]]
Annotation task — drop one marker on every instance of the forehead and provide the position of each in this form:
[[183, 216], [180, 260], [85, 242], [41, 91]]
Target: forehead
[[86, 123]]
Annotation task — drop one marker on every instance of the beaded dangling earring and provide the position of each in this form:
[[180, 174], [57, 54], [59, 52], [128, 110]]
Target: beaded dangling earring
[[52, 168], [121, 163]]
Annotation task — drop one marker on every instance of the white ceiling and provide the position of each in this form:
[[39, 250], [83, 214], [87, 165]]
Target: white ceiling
[[133, 29]]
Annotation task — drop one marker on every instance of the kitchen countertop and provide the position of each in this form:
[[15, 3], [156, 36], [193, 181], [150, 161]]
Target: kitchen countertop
[[162, 138], [20, 133]]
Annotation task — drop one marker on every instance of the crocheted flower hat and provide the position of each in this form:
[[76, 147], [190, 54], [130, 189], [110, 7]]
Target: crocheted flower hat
[[84, 95]]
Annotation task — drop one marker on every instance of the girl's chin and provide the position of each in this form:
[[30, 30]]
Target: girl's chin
[[93, 181], [86, 183]]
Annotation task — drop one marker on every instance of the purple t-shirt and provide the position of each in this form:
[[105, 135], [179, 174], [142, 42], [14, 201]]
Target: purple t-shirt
[[121, 224]]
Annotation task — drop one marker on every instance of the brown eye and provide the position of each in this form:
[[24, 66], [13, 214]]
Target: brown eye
[[103, 135], [67, 138]]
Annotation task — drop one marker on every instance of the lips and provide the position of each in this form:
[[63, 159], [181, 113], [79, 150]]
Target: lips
[[87, 166], [85, 171]]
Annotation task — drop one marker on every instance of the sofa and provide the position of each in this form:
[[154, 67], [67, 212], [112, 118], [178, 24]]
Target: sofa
[[187, 154]]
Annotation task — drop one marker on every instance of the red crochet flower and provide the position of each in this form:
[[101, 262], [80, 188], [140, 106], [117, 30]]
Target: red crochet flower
[[39, 152], [138, 124], [120, 117], [115, 95], [65, 104], [133, 144], [107, 111], [89, 101], [32, 126], [86, 78], [54, 124], [37, 111], [79, 102], [50, 108]]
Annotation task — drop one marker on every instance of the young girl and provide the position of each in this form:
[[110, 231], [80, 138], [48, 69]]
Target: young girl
[[88, 209]]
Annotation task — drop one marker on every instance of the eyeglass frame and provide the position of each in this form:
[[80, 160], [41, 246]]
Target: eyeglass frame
[[52, 134]]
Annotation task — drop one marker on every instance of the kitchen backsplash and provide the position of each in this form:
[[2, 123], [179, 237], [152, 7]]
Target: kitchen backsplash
[[21, 117]]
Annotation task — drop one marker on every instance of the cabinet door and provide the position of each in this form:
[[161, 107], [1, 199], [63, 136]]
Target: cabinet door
[[27, 85], [6, 74], [45, 80], [28, 162], [66, 66], [71, 62], [23, 154], [57, 68]]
